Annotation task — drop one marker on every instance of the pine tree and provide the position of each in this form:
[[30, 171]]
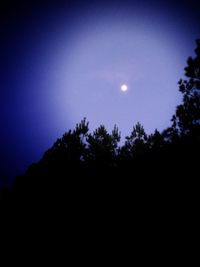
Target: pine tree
[[187, 116]]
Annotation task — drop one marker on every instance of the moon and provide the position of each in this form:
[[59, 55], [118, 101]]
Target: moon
[[124, 88]]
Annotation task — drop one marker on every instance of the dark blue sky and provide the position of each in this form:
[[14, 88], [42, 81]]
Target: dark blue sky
[[63, 60]]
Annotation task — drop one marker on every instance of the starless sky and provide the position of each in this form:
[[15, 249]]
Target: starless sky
[[65, 60]]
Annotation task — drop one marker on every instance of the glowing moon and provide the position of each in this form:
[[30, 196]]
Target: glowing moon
[[124, 88]]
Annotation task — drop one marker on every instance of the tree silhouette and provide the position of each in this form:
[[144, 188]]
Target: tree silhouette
[[135, 144], [187, 117], [103, 147], [155, 140]]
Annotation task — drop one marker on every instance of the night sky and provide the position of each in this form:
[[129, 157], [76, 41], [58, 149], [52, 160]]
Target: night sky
[[61, 61]]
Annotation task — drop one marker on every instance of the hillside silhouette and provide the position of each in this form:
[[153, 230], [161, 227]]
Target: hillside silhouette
[[83, 167]]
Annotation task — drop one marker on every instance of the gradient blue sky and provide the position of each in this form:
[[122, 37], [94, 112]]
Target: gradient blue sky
[[65, 60]]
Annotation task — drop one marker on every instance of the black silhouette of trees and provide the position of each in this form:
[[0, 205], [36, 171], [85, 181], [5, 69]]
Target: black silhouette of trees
[[155, 141], [103, 147], [135, 144], [187, 117]]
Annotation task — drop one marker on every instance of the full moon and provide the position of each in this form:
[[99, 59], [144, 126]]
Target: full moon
[[124, 88]]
